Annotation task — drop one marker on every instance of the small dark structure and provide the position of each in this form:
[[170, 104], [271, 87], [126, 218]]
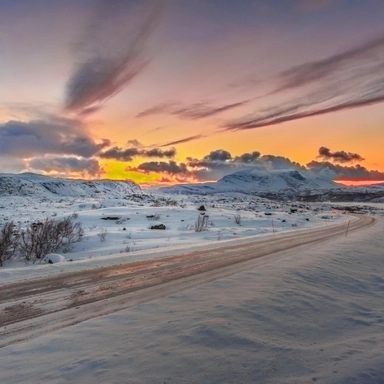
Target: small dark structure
[[158, 226]]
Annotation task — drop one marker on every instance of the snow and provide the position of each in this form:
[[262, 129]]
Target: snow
[[126, 222], [313, 314], [258, 181], [308, 314], [53, 258]]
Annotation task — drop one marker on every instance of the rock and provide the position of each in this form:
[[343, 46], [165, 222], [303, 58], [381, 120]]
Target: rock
[[158, 226]]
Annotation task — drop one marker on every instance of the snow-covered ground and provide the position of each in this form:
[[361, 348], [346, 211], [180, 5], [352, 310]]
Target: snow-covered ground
[[126, 224], [315, 314]]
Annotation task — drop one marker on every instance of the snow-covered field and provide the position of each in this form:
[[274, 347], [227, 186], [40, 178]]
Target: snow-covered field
[[126, 222], [309, 314], [314, 314]]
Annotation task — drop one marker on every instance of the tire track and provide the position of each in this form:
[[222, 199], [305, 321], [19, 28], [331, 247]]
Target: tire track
[[37, 306]]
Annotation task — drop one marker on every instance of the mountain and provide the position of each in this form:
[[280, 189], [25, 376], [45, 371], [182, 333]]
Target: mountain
[[256, 181], [28, 184]]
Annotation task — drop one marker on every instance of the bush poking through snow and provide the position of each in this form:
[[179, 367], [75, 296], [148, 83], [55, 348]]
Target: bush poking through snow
[[9, 237], [201, 223], [102, 234], [49, 236]]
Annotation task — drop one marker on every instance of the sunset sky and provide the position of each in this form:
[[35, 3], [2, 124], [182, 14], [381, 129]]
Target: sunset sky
[[191, 90]]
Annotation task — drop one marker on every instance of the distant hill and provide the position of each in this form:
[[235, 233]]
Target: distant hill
[[29, 184], [255, 181]]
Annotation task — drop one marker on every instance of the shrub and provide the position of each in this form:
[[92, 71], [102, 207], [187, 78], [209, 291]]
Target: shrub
[[49, 236], [102, 234], [9, 236], [238, 219]]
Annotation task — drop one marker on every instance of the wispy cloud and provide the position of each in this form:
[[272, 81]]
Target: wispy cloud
[[299, 111], [351, 79], [194, 111], [111, 53], [364, 55], [181, 141]]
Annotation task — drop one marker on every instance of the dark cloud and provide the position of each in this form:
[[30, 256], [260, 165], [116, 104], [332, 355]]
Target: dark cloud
[[111, 53], [247, 158], [340, 172], [220, 163], [338, 156], [128, 154], [191, 112], [156, 152], [218, 155], [53, 136], [66, 165], [181, 141], [170, 167]]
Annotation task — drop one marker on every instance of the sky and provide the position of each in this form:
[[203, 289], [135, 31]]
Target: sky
[[175, 91]]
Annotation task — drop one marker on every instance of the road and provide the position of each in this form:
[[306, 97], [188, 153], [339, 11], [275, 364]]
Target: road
[[35, 307]]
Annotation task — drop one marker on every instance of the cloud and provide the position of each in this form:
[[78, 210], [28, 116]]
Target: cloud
[[340, 172], [339, 156], [135, 143], [162, 108], [219, 163], [299, 110], [55, 135], [191, 112], [181, 141], [218, 155], [128, 154], [314, 71], [170, 167], [111, 53], [66, 165], [247, 158], [348, 80]]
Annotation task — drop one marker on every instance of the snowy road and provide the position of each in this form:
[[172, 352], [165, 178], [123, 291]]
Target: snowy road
[[37, 306]]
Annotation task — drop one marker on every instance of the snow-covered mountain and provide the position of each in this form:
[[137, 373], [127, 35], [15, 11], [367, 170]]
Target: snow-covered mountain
[[288, 181], [29, 184]]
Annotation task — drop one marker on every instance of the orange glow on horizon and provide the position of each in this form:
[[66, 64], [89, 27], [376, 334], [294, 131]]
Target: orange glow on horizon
[[356, 183]]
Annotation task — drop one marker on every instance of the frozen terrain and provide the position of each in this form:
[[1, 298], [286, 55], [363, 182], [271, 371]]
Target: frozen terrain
[[117, 216], [312, 313], [309, 314]]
